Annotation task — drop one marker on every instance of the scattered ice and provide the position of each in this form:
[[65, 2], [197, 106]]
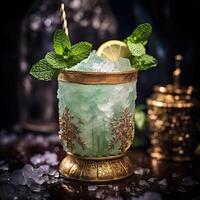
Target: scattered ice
[[52, 181], [128, 189], [133, 194], [29, 181], [4, 167], [144, 183], [92, 188], [34, 178], [100, 194], [27, 170], [37, 159], [17, 178], [181, 189], [47, 158], [35, 187], [4, 177], [163, 182], [6, 138], [116, 188], [56, 175], [142, 171], [52, 172], [152, 180], [97, 64], [44, 168], [188, 181]]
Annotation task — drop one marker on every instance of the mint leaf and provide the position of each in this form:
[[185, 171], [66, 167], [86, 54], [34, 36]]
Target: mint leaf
[[143, 62], [42, 70], [57, 61], [141, 34], [136, 49], [78, 52], [61, 41]]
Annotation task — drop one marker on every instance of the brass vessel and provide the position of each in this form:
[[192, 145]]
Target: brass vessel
[[112, 161], [172, 114]]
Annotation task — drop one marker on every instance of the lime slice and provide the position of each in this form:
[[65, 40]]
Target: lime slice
[[113, 50]]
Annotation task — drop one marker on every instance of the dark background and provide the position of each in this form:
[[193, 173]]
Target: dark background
[[176, 30]]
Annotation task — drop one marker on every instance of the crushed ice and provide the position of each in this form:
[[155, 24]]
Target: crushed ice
[[97, 64]]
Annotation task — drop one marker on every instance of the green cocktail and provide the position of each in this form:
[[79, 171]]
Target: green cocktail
[[96, 120]]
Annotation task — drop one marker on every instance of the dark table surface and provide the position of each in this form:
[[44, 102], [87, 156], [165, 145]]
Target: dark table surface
[[152, 179]]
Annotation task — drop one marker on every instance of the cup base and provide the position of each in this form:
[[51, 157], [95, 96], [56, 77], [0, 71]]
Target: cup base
[[95, 170]]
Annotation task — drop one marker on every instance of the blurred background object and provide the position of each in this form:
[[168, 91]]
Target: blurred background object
[[173, 118]]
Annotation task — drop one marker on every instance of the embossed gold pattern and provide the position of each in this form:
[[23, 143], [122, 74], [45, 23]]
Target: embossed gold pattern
[[98, 78], [122, 130], [69, 133], [96, 170], [171, 113]]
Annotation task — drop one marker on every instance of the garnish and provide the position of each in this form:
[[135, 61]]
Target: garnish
[[136, 43], [65, 55]]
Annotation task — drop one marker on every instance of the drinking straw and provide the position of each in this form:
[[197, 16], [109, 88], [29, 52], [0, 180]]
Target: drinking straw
[[63, 18]]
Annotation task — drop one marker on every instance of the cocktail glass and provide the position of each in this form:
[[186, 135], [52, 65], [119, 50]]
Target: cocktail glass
[[96, 117]]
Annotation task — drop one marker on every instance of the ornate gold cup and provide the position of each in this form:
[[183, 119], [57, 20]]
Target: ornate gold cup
[[96, 124], [172, 113]]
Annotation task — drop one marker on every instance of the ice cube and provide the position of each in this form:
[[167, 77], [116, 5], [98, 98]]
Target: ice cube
[[36, 187], [92, 188], [163, 182], [144, 183], [123, 64], [37, 159], [51, 158], [52, 172], [17, 178], [45, 168], [142, 171], [152, 180], [4, 167], [97, 64], [41, 180], [27, 170], [29, 181]]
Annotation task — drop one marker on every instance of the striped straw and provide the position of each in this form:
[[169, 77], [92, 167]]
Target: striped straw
[[63, 18]]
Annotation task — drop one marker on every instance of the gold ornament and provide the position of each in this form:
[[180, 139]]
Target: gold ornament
[[69, 133], [122, 130]]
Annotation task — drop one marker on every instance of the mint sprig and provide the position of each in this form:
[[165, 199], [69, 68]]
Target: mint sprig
[[136, 43], [65, 55], [61, 41], [42, 70]]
